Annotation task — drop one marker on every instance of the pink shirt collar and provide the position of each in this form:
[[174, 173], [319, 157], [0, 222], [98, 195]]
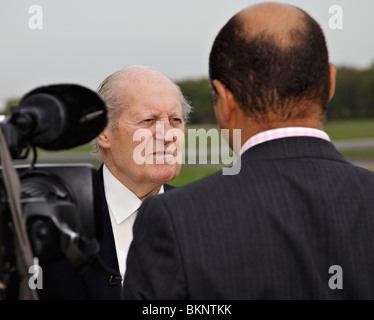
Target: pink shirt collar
[[283, 133]]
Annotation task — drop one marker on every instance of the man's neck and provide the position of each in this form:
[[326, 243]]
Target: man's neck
[[140, 189], [254, 128], [152, 192]]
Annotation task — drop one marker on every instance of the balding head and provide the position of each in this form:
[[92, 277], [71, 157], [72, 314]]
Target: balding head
[[273, 58], [118, 89], [144, 137], [137, 75], [273, 19]]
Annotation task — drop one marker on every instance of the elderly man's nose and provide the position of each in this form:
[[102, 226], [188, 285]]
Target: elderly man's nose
[[162, 127]]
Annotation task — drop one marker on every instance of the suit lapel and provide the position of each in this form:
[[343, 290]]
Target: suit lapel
[[168, 187], [104, 286]]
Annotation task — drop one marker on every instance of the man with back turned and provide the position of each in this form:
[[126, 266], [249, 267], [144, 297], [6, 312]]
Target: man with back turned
[[297, 221]]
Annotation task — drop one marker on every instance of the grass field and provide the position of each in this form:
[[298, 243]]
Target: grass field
[[337, 130], [350, 129], [191, 173]]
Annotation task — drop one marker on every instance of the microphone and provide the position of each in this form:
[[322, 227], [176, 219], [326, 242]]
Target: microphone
[[59, 117]]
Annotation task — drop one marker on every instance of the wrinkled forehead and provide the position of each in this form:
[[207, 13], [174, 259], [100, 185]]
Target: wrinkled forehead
[[156, 95]]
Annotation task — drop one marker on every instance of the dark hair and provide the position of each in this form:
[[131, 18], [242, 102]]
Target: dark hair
[[265, 76]]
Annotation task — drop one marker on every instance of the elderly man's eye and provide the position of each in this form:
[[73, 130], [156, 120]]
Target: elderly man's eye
[[176, 121], [148, 121]]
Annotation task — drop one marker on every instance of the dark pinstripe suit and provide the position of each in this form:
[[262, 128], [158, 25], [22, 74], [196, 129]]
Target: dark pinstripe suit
[[296, 208]]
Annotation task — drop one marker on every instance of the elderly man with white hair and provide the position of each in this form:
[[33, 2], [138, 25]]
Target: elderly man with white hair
[[140, 149]]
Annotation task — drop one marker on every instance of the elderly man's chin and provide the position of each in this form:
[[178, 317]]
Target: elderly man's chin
[[163, 167], [163, 173]]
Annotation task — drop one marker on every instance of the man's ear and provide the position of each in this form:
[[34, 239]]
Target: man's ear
[[226, 103], [332, 80], [103, 139]]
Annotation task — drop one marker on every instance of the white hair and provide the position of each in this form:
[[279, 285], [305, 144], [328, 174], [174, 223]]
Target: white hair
[[115, 102]]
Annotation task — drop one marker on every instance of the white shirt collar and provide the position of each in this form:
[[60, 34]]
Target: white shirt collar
[[121, 201]]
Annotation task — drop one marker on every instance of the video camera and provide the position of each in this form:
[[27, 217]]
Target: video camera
[[48, 212]]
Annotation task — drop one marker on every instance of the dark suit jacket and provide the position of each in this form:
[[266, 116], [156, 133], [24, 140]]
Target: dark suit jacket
[[273, 231], [58, 282]]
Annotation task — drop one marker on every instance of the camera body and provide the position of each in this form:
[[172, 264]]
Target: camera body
[[67, 195], [57, 213]]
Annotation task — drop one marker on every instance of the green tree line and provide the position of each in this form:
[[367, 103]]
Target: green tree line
[[354, 96]]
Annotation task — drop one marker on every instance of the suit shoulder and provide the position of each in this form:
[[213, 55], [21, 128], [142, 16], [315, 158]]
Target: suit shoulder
[[200, 184], [365, 172], [362, 174], [196, 192]]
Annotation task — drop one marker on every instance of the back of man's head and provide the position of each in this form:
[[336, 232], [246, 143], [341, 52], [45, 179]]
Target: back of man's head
[[274, 59]]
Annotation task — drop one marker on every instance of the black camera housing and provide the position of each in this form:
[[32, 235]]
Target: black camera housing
[[48, 212], [58, 196]]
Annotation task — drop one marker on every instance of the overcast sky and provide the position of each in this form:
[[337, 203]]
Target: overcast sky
[[83, 41]]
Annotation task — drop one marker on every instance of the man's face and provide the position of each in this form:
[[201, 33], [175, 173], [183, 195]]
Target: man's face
[[148, 135]]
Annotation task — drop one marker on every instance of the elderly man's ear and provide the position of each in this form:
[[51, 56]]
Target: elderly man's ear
[[103, 139], [225, 106]]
